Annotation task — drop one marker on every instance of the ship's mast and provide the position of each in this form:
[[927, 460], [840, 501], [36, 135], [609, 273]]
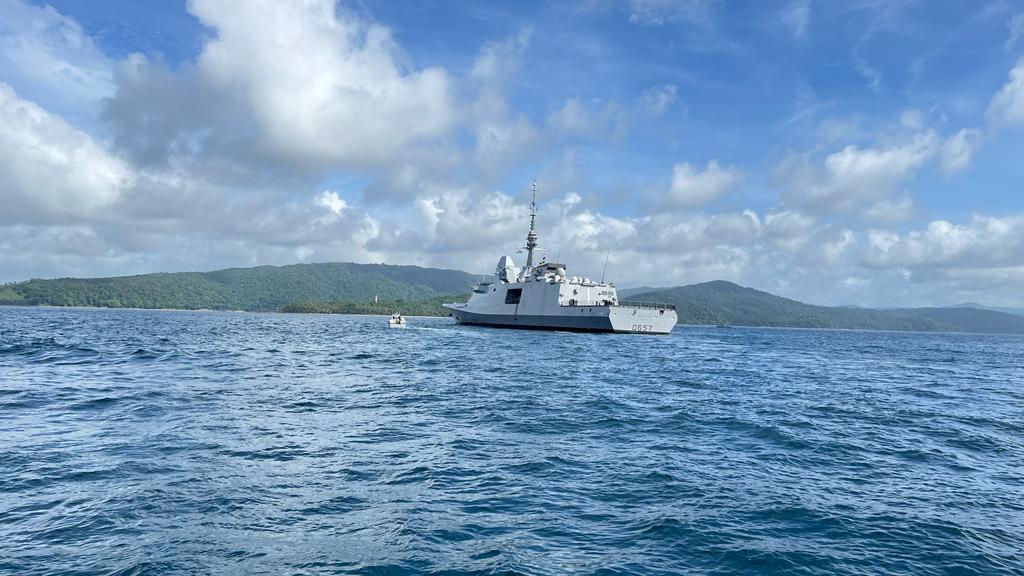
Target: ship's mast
[[531, 238]]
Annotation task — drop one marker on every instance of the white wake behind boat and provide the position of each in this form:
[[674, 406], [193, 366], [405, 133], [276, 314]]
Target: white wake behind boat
[[543, 297], [396, 321]]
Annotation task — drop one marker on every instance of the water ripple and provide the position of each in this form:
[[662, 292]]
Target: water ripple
[[151, 442]]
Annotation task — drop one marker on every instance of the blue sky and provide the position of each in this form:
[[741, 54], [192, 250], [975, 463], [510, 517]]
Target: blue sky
[[838, 152]]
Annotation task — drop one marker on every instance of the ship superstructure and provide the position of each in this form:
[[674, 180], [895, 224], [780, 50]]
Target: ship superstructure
[[544, 296]]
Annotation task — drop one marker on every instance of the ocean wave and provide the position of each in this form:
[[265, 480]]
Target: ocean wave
[[248, 443]]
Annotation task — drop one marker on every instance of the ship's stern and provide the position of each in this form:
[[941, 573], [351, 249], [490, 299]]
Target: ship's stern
[[642, 318]]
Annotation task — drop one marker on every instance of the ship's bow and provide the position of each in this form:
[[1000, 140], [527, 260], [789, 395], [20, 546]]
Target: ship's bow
[[455, 310]]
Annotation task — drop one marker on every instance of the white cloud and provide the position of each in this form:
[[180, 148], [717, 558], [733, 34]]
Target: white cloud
[[788, 230], [658, 12], [692, 187], [302, 84], [796, 17], [1007, 106], [833, 249], [891, 210], [505, 138], [502, 142], [502, 136], [497, 62], [50, 60], [455, 220], [572, 118], [853, 168], [320, 86], [658, 99], [983, 242], [959, 149], [332, 201], [870, 73], [50, 171], [576, 118], [855, 178], [1016, 26]]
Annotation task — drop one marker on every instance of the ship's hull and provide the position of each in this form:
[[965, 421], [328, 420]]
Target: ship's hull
[[617, 319]]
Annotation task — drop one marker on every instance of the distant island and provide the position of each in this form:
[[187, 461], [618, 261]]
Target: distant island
[[259, 289], [346, 288], [725, 303]]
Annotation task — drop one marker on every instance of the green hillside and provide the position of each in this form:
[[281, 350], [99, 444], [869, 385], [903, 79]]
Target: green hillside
[[264, 288], [427, 307], [721, 302]]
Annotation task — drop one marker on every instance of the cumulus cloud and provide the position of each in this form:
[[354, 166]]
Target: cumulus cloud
[[1007, 106], [319, 87], [49, 170], [450, 215], [218, 148], [332, 201], [855, 178], [693, 187], [461, 228], [983, 242]]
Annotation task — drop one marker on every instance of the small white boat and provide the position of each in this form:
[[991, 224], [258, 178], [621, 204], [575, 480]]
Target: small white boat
[[396, 321]]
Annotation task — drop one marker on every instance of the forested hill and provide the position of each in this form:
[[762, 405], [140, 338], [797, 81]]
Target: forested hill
[[721, 302], [264, 288], [350, 288]]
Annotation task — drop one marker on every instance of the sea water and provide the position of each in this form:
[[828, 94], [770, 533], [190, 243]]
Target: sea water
[[159, 442]]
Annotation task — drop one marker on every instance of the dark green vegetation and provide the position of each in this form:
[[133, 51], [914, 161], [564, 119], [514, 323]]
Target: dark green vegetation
[[976, 306], [265, 288], [9, 296], [726, 303], [970, 319], [428, 307], [343, 288]]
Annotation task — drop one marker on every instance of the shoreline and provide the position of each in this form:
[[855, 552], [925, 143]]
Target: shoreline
[[680, 324], [204, 310]]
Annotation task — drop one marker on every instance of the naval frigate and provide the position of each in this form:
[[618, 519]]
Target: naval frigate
[[543, 296]]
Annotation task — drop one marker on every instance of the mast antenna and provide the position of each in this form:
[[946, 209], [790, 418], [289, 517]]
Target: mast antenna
[[531, 238], [605, 271]]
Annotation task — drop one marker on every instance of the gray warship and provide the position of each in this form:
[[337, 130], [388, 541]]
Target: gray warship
[[544, 297]]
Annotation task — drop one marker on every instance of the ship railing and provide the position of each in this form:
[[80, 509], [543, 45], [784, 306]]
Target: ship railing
[[649, 305], [654, 305]]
